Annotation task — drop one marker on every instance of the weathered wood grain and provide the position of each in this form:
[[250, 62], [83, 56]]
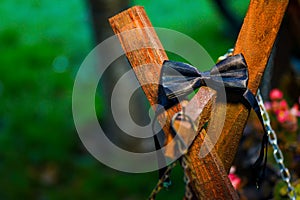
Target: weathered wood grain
[[209, 180], [146, 55], [255, 41], [149, 52]]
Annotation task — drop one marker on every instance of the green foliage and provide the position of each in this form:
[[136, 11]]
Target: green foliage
[[280, 190], [39, 55]]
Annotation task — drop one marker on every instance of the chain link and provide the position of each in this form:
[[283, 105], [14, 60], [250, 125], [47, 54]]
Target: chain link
[[277, 153], [226, 55], [272, 138], [160, 184], [184, 163], [188, 194]]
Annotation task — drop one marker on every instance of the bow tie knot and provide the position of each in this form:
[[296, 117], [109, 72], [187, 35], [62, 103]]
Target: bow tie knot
[[179, 79]]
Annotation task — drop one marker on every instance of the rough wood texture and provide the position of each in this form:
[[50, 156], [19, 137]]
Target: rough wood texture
[[210, 180], [255, 41], [146, 55], [208, 177], [198, 110]]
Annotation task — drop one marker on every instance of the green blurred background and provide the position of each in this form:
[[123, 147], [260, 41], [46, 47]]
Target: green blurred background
[[42, 45]]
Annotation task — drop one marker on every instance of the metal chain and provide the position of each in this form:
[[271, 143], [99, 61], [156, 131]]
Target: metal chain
[[184, 163], [277, 153], [160, 184], [278, 156], [188, 194], [226, 55]]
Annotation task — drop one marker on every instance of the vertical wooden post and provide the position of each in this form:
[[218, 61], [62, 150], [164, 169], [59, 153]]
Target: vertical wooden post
[[255, 41]]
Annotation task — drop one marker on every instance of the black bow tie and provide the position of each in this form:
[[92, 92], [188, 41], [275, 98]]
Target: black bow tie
[[179, 79]]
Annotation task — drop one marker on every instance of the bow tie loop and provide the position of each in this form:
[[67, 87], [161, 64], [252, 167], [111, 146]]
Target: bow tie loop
[[179, 79]]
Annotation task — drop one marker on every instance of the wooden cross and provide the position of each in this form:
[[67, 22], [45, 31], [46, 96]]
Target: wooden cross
[[255, 41]]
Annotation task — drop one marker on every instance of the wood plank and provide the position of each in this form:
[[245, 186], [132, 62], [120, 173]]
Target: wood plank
[[209, 180], [146, 55], [149, 52], [254, 29], [255, 41]]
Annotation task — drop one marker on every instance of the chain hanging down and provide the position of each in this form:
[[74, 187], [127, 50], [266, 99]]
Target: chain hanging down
[[160, 184], [184, 163], [188, 193], [278, 156]]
